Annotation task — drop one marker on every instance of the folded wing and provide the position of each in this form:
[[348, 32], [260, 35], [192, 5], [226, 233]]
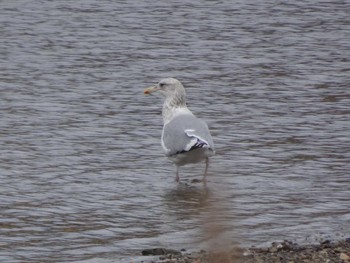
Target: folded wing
[[185, 133]]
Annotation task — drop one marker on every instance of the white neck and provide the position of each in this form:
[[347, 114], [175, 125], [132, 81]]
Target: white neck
[[170, 109], [173, 101]]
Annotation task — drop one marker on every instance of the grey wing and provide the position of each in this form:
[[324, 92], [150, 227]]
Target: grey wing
[[185, 133]]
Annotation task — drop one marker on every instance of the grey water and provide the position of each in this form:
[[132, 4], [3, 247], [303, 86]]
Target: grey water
[[82, 173]]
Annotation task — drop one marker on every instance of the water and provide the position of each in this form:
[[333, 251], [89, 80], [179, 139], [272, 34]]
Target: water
[[83, 177]]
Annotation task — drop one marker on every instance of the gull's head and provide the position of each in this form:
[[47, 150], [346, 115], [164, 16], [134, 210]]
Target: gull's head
[[168, 87]]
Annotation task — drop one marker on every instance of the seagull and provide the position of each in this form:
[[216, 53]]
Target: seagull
[[185, 138]]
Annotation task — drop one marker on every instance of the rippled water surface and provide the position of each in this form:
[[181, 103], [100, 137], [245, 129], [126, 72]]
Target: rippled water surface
[[83, 176]]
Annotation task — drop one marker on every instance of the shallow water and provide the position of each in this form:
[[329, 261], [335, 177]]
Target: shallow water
[[83, 177]]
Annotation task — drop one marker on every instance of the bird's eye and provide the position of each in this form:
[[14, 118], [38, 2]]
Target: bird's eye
[[161, 85]]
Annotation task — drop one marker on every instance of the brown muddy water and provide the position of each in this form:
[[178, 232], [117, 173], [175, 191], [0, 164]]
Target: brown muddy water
[[83, 177]]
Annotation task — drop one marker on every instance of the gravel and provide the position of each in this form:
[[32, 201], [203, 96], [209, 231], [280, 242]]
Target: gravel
[[282, 252]]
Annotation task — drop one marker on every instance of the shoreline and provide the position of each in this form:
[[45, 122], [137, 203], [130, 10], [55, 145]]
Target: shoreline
[[327, 251]]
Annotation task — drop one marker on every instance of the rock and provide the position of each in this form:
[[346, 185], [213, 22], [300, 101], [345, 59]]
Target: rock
[[160, 252], [286, 245], [327, 241], [196, 181], [345, 257], [325, 244]]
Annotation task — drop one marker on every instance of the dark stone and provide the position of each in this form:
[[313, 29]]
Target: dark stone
[[325, 244], [196, 181], [327, 241], [160, 252]]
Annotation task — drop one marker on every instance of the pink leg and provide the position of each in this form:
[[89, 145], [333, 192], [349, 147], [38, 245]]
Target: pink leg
[[206, 170], [177, 178]]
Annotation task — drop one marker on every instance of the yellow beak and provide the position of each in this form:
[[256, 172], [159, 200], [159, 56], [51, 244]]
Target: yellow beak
[[151, 89]]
